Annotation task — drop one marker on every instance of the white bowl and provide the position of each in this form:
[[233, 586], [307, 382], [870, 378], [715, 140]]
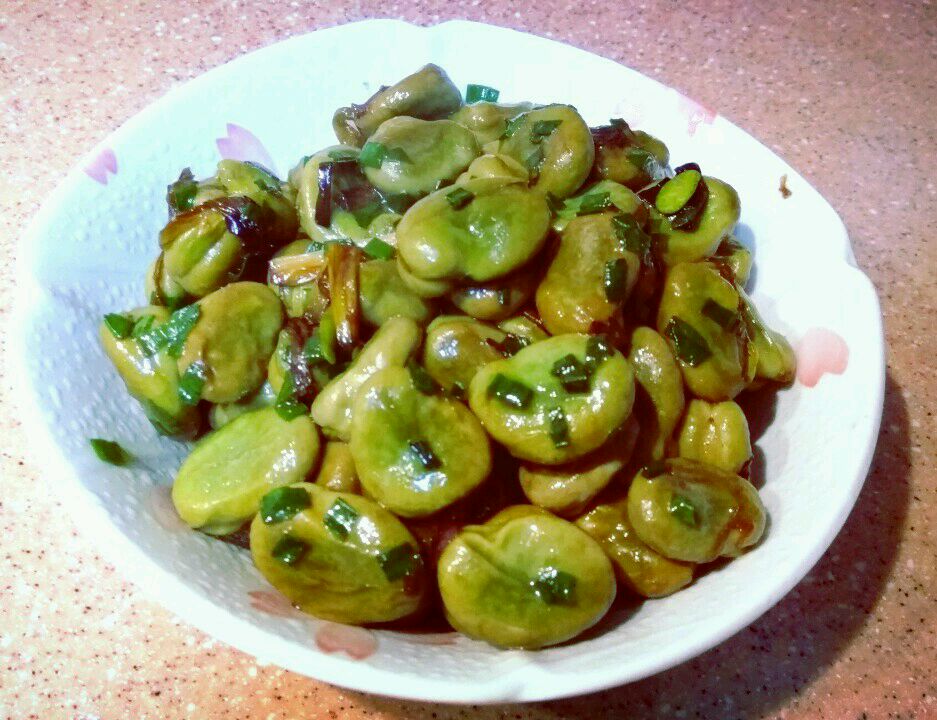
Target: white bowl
[[87, 250]]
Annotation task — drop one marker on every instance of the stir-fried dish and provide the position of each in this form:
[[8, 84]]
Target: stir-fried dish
[[476, 357]]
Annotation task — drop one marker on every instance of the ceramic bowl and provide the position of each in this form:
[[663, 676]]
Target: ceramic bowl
[[87, 251]]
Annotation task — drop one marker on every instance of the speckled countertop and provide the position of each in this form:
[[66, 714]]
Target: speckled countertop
[[844, 91]]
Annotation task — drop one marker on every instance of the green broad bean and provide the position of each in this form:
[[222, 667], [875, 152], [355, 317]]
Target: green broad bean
[[497, 299], [494, 167], [234, 337], [556, 146], [524, 579], [524, 326], [716, 434], [660, 400], [151, 379], [488, 120], [417, 156], [693, 512], [718, 218], [383, 294], [775, 359], [337, 470], [630, 157], [220, 484], [200, 254], [391, 346], [415, 453], [427, 94], [555, 400], [221, 414], [567, 489], [603, 195], [457, 347], [590, 276], [637, 566], [699, 315], [736, 257], [341, 557]]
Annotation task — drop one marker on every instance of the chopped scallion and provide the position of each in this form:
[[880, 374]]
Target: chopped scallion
[[119, 325], [110, 452], [594, 202], [425, 454], [559, 427], [192, 382], [143, 325], [378, 249], [283, 503], [422, 380], [459, 198], [722, 316], [180, 195], [573, 374], [289, 550], [375, 154], [287, 406], [399, 561], [689, 346], [616, 280], [543, 129], [510, 392], [683, 510], [475, 93], [533, 163], [554, 587], [512, 125], [597, 351], [340, 519], [171, 335]]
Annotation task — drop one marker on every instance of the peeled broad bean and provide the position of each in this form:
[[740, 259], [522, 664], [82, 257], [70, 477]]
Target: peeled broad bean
[[590, 277], [221, 414], [555, 400], [700, 316], [497, 299], [631, 157], [457, 347], [392, 345], [737, 258], [555, 145], [567, 489], [220, 484], [718, 218], [488, 120], [716, 434], [414, 157], [151, 378], [478, 231], [415, 452], [383, 294], [337, 470], [233, 338], [637, 566], [660, 400], [693, 512], [337, 556], [775, 356], [524, 579], [427, 94]]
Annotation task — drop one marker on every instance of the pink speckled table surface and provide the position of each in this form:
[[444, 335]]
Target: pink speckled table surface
[[844, 92]]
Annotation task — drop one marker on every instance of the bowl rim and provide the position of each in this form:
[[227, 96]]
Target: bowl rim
[[161, 585]]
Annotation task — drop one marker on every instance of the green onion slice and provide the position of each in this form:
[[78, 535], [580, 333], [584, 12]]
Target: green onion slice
[[689, 346], [119, 325], [171, 335], [616, 280], [283, 503], [683, 510], [475, 93], [598, 351], [511, 392], [110, 452], [286, 405], [289, 550], [340, 519], [192, 382], [459, 198], [422, 380], [722, 316], [424, 453], [399, 561], [554, 587], [573, 374], [559, 427], [512, 125], [378, 249], [594, 202], [543, 129]]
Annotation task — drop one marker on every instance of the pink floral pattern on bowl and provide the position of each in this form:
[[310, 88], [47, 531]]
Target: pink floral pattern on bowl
[[241, 144], [697, 114], [820, 351], [273, 603], [103, 163], [356, 642]]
